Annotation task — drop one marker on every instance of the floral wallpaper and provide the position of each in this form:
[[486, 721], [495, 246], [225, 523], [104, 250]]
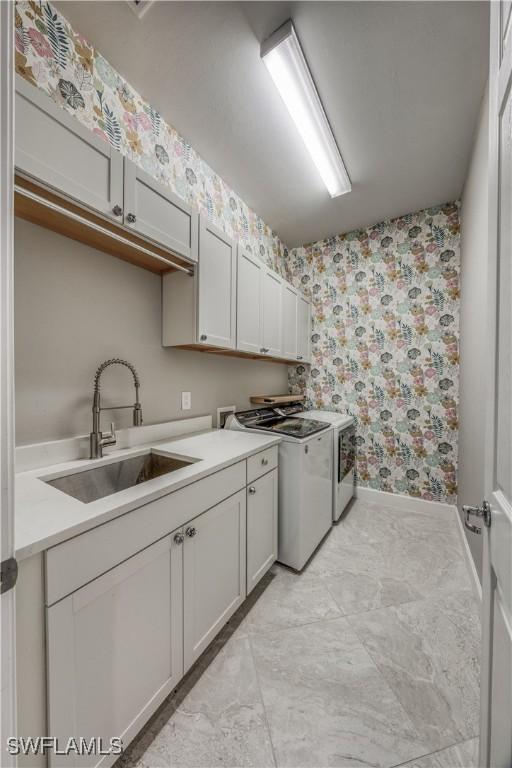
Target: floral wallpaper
[[385, 346], [55, 58], [385, 299]]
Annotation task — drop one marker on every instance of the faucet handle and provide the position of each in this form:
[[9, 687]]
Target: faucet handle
[[110, 435]]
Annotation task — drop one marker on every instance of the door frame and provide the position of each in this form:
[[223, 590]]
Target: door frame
[[500, 63], [7, 601]]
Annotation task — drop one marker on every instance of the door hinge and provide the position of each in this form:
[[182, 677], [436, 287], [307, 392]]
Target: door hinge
[[8, 574]]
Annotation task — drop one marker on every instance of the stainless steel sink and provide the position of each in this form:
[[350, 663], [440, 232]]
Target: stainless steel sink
[[93, 484]]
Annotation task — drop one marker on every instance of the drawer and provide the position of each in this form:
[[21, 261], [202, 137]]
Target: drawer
[[77, 561], [261, 463]]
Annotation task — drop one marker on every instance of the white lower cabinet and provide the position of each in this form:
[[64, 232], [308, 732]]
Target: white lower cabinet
[[261, 527], [119, 644], [213, 573], [115, 650]]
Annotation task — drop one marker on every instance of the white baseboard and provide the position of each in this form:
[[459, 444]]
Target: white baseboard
[[412, 504], [400, 501], [477, 587]]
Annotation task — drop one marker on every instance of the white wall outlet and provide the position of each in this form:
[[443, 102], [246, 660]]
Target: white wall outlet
[[186, 401]]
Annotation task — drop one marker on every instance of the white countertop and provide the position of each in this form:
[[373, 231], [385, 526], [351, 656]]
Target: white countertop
[[45, 516]]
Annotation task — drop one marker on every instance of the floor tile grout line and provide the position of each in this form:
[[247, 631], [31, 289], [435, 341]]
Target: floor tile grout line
[[436, 752], [293, 626], [265, 715]]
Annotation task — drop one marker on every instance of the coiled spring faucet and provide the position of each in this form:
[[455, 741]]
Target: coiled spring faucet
[[97, 438]]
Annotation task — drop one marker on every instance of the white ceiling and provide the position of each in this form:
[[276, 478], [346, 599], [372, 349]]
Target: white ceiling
[[401, 83]]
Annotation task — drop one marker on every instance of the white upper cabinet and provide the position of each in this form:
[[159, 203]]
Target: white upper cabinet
[[271, 313], [249, 315], [216, 322], [115, 650], [289, 320], [303, 329], [214, 573], [54, 149], [153, 211]]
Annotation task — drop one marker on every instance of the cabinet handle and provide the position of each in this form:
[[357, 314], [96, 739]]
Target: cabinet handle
[[252, 490], [262, 350], [131, 218], [203, 337], [299, 357], [117, 210], [264, 462], [191, 531], [179, 538]]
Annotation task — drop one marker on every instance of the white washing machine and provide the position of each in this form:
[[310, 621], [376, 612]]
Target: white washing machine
[[343, 453], [305, 477]]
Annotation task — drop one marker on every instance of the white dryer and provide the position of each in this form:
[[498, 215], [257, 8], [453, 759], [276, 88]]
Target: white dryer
[[344, 455]]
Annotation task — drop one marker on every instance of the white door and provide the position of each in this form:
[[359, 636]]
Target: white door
[[213, 573], [115, 649], [496, 703], [53, 148], [303, 329], [272, 319], [154, 211], [249, 319], [216, 287], [7, 629], [261, 527], [289, 315]]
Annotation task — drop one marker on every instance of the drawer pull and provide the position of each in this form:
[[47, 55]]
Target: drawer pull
[[191, 531], [117, 210], [179, 538], [203, 337], [131, 218], [264, 461], [252, 490]]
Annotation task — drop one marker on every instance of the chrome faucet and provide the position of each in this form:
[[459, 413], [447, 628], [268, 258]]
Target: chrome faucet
[[97, 437]]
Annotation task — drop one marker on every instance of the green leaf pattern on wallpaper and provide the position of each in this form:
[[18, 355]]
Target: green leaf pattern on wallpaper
[[385, 346], [55, 58]]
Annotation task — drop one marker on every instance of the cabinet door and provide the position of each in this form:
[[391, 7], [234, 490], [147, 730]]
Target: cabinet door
[[53, 148], [216, 309], [213, 573], [303, 329], [154, 211], [261, 527], [289, 315], [115, 650], [249, 325], [272, 321]]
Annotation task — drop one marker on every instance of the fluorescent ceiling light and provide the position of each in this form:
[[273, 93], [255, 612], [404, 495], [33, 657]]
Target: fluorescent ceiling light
[[285, 61]]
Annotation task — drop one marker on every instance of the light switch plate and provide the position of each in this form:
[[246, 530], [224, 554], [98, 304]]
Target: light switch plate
[[186, 401]]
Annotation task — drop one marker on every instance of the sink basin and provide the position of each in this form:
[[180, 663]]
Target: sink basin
[[93, 484]]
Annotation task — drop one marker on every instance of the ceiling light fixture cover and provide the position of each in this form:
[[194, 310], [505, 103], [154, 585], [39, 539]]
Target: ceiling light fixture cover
[[285, 61]]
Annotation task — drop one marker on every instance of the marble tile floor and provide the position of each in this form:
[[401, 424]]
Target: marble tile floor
[[369, 657]]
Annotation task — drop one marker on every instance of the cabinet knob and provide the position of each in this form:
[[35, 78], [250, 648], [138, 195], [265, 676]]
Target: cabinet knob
[[299, 357], [203, 337], [264, 462], [262, 349], [131, 218], [179, 538], [117, 210], [252, 490], [191, 531]]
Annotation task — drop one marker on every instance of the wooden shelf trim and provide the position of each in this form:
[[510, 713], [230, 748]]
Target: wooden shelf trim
[[39, 205], [237, 353]]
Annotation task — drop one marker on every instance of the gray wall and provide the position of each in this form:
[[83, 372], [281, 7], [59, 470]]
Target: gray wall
[[74, 308], [473, 343]]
